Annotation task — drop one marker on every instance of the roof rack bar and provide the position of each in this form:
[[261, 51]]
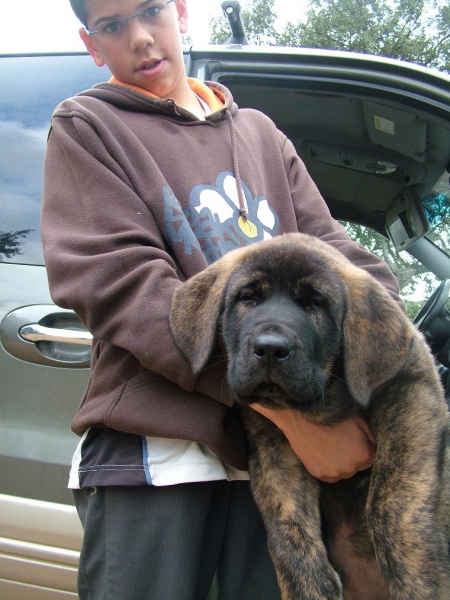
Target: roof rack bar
[[232, 10]]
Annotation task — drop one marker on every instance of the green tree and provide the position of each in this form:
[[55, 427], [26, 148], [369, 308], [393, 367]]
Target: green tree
[[409, 273], [442, 28], [10, 244], [412, 308], [412, 30]]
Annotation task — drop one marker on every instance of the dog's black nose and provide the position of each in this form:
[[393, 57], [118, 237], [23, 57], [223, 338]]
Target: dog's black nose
[[271, 346]]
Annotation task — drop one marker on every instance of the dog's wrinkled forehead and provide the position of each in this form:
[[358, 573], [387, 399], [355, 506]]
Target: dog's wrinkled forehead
[[287, 267]]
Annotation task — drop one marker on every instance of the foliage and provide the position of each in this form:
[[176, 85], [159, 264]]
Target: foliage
[[437, 210], [413, 308], [413, 30], [413, 277], [10, 244]]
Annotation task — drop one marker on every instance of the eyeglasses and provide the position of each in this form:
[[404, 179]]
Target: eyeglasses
[[154, 12]]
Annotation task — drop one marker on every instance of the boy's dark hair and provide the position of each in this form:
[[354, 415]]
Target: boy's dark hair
[[79, 8]]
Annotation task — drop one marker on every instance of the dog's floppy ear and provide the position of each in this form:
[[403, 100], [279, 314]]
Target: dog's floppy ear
[[196, 307], [377, 336]]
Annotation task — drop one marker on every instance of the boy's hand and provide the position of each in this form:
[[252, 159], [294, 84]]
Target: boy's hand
[[328, 453]]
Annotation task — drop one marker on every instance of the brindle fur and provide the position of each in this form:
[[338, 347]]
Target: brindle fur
[[383, 534]]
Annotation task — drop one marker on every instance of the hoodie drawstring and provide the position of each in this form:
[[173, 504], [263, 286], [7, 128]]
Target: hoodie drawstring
[[242, 201]]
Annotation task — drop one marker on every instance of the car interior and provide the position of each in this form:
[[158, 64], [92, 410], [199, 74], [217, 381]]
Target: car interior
[[362, 153]]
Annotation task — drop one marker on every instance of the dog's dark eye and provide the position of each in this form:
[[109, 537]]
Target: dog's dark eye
[[249, 296], [312, 301], [319, 301]]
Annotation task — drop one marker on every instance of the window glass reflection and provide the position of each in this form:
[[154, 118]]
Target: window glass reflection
[[31, 88]]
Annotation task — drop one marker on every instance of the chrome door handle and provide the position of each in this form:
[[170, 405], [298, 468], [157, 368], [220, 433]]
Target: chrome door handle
[[45, 334], [39, 333]]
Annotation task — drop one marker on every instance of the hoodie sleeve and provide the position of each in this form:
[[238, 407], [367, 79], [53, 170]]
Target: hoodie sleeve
[[314, 218], [105, 255]]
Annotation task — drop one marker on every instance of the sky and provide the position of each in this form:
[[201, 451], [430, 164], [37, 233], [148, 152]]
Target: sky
[[50, 26]]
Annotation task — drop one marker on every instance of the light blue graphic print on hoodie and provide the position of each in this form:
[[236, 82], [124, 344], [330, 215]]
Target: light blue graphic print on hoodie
[[213, 223]]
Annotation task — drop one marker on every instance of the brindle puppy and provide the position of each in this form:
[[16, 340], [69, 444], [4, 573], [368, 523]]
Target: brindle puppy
[[306, 329]]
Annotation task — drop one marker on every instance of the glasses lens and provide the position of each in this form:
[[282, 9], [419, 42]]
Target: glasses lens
[[110, 30], [155, 12]]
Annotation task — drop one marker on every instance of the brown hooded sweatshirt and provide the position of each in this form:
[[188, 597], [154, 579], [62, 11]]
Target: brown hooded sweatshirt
[[140, 195]]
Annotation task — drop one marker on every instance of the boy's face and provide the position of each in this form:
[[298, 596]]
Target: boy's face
[[147, 55]]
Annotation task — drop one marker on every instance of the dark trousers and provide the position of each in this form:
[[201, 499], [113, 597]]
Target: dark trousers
[[168, 543]]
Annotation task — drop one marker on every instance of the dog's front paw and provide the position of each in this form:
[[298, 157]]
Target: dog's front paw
[[305, 574], [318, 586]]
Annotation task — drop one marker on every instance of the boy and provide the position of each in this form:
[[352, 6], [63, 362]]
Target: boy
[[148, 178]]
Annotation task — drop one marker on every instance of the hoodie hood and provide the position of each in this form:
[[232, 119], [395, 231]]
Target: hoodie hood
[[218, 98], [130, 97], [213, 95]]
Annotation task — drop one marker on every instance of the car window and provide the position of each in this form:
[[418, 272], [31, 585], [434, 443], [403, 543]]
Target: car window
[[437, 210], [28, 95], [416, 282]]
